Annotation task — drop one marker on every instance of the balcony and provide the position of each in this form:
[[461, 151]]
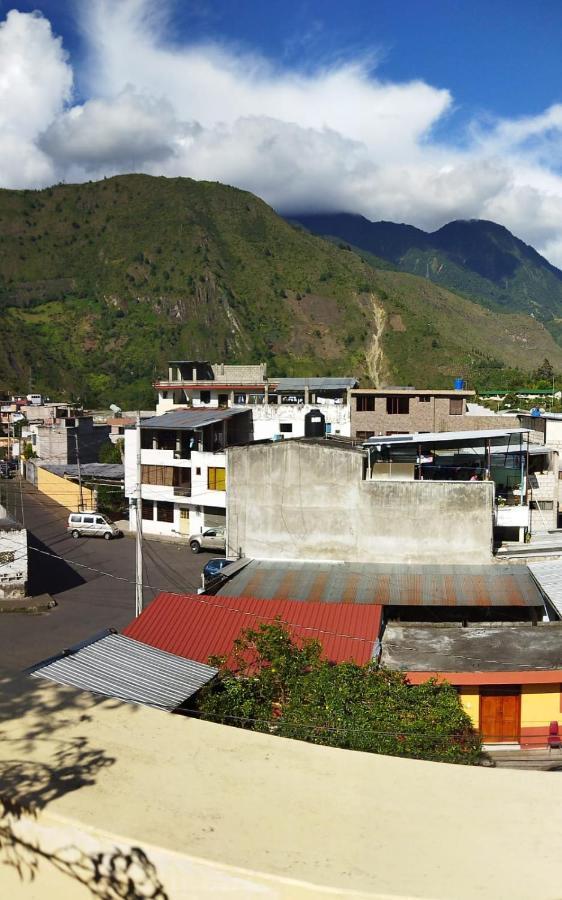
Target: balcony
[[183, 491]]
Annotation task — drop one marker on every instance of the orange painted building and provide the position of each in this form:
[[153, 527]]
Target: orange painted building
[[509, 677]]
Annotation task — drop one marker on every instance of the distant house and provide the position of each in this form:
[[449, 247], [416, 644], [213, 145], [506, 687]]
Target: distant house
[[183, 477], [280, 407], [67, 439]]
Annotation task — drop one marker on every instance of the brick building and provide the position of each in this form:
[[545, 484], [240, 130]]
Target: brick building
[[407, 410]]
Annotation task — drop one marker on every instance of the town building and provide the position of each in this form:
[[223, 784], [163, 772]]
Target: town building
[[198, 627], [70, 440], [13, 558], [403, 410], [281, 407], [508, 677], [407, 499], [112, 665], [183, 468]]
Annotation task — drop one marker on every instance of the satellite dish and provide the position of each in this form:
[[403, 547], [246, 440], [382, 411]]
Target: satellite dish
[[114, 408]]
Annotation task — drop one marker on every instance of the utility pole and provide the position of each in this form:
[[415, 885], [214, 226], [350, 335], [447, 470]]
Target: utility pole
[[138, 567], [79, 471]]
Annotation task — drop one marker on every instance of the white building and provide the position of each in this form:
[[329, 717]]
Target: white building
[[13, 558], [183, 468], [279, 407]]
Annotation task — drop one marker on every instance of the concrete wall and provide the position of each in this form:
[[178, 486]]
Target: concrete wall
[[295, 500], [13, 559], [63, 491]]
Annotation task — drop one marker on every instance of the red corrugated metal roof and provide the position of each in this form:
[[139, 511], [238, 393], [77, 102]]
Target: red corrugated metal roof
[[197, 627]]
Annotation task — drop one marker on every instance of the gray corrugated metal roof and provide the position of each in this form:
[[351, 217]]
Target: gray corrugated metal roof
[[120, 667], [549, 578], [114, 471], [191, 418], [389, 585], [327, 384]]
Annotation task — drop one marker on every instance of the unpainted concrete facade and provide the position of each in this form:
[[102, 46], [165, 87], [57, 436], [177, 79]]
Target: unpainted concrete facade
[[307, 500]]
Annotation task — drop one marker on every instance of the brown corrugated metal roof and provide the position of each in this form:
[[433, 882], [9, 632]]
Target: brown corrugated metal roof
[[197, 627], [387, 585]]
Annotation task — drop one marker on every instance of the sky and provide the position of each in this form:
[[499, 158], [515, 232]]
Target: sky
[[418, 112]]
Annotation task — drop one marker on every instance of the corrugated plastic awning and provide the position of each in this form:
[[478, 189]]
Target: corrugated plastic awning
[[191, 418], [117, 666], [389, 585], [198, 627], [548, 576]]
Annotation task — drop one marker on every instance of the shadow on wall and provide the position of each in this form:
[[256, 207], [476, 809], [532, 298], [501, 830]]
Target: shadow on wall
[[41, 763]]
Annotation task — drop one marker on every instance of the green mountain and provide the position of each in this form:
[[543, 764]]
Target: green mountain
[[102, 283], [478, 259]]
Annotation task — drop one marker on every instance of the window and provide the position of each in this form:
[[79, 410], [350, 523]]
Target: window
[[424, 399], [286, 427], [397, 406], [240, 398], [205, 396], [178, 397], [364, 435], [164, 512], [365, 402], [88, 520], [148, 510], [223, 401], [216, 479], [79, 518], [162, 475], [198, 470], [456, 406], [100, 521]]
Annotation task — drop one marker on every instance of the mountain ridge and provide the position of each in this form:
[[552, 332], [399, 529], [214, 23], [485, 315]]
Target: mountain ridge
[[101, 283], [477, 258]]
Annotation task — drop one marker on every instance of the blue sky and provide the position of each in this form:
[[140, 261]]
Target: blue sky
[[414, 111], [496, 56]]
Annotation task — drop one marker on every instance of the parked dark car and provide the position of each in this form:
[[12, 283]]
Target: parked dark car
[[215, 566]]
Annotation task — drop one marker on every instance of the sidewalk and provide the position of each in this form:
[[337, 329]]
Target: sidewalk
[[123, 524]]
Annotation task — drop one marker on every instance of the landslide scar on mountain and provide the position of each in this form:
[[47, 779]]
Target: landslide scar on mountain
[[374, 355]]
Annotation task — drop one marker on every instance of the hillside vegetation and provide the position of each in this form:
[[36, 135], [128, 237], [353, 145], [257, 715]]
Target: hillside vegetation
[[102, 283], [478, 259]]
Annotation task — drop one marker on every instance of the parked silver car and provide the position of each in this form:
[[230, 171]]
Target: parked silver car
[[91, 524], [208, 539]]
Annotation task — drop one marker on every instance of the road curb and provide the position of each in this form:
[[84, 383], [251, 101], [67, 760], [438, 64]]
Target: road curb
[[29, 605]]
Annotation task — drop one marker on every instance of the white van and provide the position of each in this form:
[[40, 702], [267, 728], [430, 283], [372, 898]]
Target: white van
[[91, 524]]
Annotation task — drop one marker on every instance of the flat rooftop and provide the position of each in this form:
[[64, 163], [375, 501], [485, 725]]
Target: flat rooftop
[[453, 648], [387, 585], [242, 814]]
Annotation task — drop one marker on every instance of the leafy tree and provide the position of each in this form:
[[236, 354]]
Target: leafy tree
[[545, 372], [111, 452], [29, 452], [273, 684]]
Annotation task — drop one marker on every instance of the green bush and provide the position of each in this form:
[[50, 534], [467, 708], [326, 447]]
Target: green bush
[[272, 684]]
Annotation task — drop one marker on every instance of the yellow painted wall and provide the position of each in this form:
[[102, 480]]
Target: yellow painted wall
[[470, 699], [63, 491], [540, 705]]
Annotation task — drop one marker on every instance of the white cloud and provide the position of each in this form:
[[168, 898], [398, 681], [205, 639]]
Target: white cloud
[[334, 138], [35, 83]]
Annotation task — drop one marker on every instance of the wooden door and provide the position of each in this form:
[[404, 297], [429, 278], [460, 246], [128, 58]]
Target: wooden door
[[500, 715]]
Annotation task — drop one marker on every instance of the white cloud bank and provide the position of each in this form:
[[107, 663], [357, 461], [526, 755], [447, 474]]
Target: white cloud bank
[[337, 139]]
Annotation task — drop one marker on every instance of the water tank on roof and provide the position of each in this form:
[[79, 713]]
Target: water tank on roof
[[314, 424], [459, 384], [535, 412]]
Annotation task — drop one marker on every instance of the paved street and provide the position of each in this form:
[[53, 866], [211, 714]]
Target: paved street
[[87, 601]]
